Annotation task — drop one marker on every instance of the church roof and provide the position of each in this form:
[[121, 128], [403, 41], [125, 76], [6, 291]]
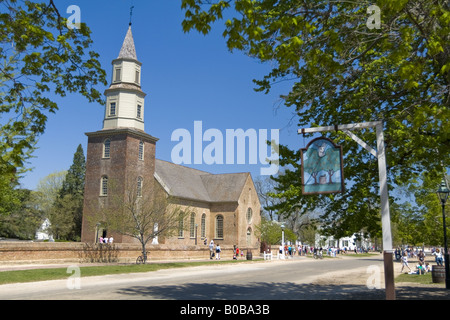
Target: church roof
[[128, 51], [188, 183]]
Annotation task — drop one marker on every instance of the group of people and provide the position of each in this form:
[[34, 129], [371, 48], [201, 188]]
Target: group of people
[[214, 252], [422, 267], [291, 250], [106, 239]]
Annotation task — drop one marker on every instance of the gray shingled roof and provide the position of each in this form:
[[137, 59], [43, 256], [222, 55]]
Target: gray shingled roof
[[188, 183], [128, 51]]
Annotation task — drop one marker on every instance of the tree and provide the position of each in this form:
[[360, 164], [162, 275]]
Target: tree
[[48, 189], [40, 55], [345, 70], [265, 188], [142, 211], [61, 197], [73, 185], [427, 207], [62, 217], [24, 218]]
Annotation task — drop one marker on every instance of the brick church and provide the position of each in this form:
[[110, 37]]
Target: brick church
[[222, 207]]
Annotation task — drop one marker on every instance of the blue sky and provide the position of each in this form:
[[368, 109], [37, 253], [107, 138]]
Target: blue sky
[[187, 78]]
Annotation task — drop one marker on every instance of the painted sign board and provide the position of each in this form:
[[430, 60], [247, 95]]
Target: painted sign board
[[322, 167]]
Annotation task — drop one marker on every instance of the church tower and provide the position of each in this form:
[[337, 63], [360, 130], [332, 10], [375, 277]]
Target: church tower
[[121, 152], [124, 98]]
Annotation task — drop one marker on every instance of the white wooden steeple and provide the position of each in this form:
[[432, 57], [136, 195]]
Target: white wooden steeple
[[124, 98]]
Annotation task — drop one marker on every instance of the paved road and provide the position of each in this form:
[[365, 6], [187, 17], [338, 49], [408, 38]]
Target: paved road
[[275, 280]]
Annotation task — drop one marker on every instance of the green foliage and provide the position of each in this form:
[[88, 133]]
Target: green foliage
[[24, 217], [270, 232], [39, 57], [343, 72], [74, 181], [67, 211]]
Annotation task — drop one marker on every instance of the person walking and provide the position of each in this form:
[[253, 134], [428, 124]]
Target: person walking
[[218, 252], [405, 262], [211, 249]]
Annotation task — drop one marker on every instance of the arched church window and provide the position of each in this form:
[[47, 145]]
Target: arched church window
[[139, 186], [141, 150], [203, 226], [181, 226], [219, 227], [249, 215], [192, 226], [104, 186], [107, 148]]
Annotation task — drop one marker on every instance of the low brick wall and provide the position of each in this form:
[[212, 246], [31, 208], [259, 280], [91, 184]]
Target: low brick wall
[[55, 252]]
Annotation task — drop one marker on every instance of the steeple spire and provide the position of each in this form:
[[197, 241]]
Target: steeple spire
[[128, 51]]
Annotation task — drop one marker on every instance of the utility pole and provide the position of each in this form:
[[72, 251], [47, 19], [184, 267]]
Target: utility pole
[[379, 153]]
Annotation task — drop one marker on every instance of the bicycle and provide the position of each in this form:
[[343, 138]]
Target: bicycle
[[318, 255], [142, 258]]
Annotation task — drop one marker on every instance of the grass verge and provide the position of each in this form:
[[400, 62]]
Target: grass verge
[[415, 278], [87, 271]]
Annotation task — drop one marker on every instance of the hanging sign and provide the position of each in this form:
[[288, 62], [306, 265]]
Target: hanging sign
[[322, 167]]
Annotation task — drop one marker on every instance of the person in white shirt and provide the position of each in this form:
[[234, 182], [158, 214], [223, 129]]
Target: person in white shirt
[[438, 255], [405, 262]]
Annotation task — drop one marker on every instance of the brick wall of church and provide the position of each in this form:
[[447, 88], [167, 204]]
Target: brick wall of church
[[249, 199], [122, 164]]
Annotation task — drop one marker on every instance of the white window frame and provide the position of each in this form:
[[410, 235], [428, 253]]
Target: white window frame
[[219, 227], [110, 113], [117, 74], [203, 226], [140, 184], [139, 111], [106, 149], [141, 150], [104, 186]]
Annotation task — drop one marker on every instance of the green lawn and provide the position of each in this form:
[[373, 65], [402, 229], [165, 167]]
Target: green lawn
[[61, 273], [416, 278]]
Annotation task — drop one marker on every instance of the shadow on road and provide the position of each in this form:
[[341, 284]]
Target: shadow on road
[[278, 291]]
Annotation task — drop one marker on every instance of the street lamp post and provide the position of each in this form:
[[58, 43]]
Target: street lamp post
[[443, 195]]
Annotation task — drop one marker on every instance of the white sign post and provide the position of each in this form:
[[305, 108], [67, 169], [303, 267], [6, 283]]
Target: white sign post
[[384, 195]]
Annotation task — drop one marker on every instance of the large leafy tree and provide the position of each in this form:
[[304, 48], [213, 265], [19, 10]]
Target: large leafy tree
[[41, 57], [24, 218], [344, 68]]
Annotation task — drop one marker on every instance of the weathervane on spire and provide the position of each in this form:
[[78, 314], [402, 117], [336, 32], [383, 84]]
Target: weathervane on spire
[[131, 14]]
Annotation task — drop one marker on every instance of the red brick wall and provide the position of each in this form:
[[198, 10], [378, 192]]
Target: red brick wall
[[54, 252], [123, 163]]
